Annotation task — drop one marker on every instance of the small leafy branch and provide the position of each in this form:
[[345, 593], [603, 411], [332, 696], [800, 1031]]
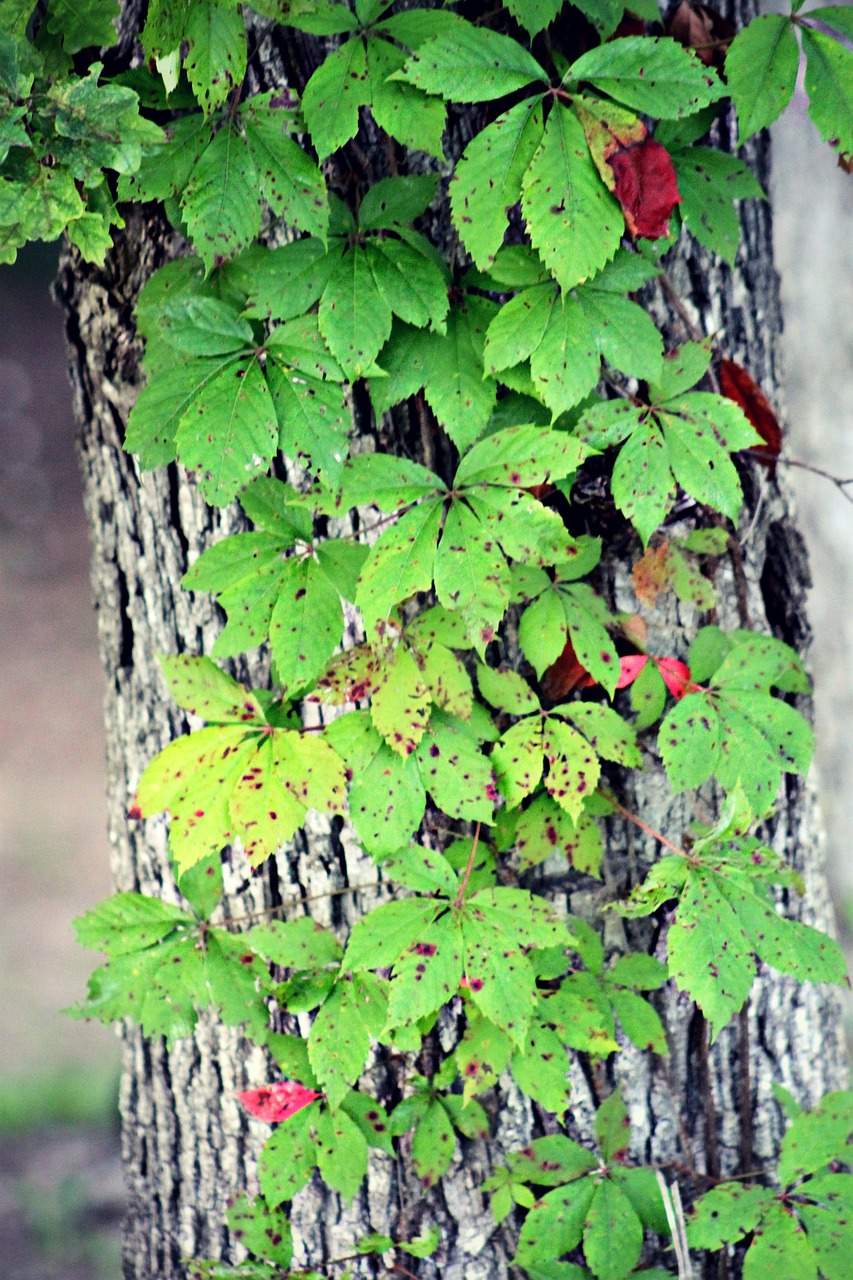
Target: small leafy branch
[[487, 717]]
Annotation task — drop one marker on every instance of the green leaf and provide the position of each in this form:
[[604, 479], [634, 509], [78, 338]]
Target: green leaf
[[828, 1223], [341, 1152], [216, 61], [199, 686], [612, 1127], [433, 1144], [457, 392], [613, 1233], [103, 122], [306, 622], [220, 204], [393, 202], [340, 1036], [128, 922], [290, 181], [355, 318], [584, 612], [817, 1137], [573, 220], [381, 937], [534, 15], [295, 944], [333, 96], [541, 1070], [542, 631], [520, 456], [81, 26], [640, 1022], [554, 1226], [487, 180], [727, 1213], [471, 64], [409, 281], [471, 575], [829, 84], [708, 181], [261, 1228], [428, 973], [454, 770], [400, 562], [606, 731], [404, 112], [653, 75], [483, 1054], [400, 704], [289, 1155], [689, 742], [517, 759], [229, 432], [761, 71], [780, 1248], [544, 829]]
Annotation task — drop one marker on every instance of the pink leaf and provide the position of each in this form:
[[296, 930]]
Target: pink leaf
[[630, 668], [275, 1102], [676, 675]]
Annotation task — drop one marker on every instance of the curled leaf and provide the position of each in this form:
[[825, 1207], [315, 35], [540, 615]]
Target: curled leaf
[[276, 1102], [646, 187]]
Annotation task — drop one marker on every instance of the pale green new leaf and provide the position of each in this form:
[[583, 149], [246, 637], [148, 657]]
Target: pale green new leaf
[[573, 220], [199, 686], [400, 704], [761, 71], [654, 75], [573, 767]]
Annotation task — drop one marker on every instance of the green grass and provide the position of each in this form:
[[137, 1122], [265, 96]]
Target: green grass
[[67, 1095]]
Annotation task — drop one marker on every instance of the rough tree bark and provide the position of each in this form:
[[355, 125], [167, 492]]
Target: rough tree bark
[[187, 1145]]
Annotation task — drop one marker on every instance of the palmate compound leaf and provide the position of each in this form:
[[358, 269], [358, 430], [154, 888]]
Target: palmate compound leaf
[[573, 221], [656, 76], [565, 336], [686, 438], [161, 984], [449, 368], [724, 921], [238, 778]]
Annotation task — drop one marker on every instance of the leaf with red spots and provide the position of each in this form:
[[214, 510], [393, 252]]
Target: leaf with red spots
[[341, 1152], [518, 760], [199, 686], [381, 937], [520, 456], [540, 1069], [454, 770], [482, 1054], [306, 622], [573, 767], [612, 1127], [739, 386], [300, 943], [273, 1103], [545, 830], [606, 731], [400, 703], [339, 1041], [433, 1144], [261, 1228], [387, 799], [428, 973]]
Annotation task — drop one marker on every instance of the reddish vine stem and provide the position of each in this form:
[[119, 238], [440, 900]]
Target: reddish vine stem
[[460, 897], [644, 826]]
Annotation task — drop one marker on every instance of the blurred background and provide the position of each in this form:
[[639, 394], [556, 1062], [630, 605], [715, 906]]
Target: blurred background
[[60, 1182]]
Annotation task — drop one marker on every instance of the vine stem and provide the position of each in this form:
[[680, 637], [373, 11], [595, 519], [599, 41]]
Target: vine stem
[[460, 897], [644, 826], [295, 902]]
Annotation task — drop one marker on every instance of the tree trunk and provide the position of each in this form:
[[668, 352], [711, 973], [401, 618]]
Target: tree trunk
[[187, 1145]]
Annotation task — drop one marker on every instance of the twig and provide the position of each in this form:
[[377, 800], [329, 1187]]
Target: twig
[[644, 826], [302, 898], [460, 897], [825, 475]]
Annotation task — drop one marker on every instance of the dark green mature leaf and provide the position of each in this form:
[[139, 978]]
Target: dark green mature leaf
[[573, 220], [219, 203], [290, 181], [534, 15], [471, 64], [409, 281], [355, 318], [829, 84], [403, 111], [333, 96], [433, 1144], [487, 180], [761, 71], [81, 26], [657, 76], [708, 181], [540, 1069], [554, 1226]]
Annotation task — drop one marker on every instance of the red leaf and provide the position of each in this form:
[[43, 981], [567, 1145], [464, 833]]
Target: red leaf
[[275, 1102], [738, 385], [630, 668], [646, 187], [676, 675], [565, 674]]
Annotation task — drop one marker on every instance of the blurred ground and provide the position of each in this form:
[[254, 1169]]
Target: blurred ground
[[60, 1189]]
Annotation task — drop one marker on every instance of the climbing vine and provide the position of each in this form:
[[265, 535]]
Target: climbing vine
[[477, 707]]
